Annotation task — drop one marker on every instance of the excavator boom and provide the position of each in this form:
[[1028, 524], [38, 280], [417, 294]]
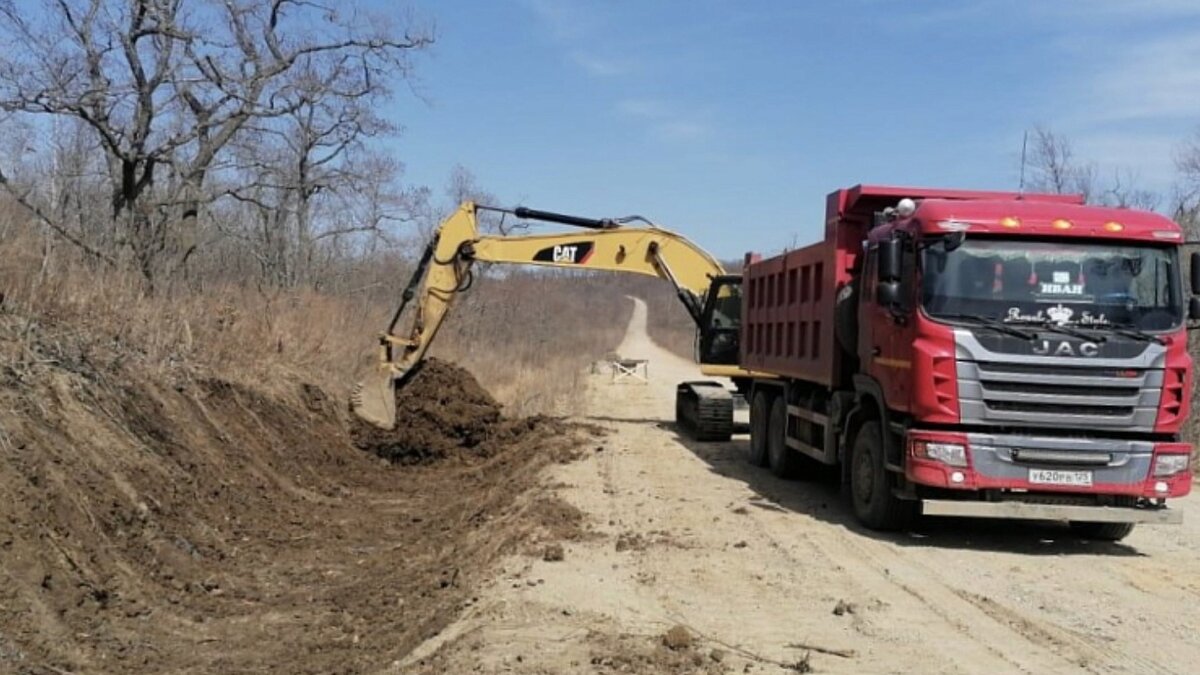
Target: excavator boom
[[445, 270]]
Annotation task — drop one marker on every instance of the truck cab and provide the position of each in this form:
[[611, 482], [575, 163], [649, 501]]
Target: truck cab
[[1040, 346], [1008, 355]]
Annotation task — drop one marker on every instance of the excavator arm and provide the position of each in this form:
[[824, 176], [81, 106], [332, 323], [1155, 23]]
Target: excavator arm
[[445, 270]]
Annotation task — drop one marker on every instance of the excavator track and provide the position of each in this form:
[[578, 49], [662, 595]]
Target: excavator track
[[704, 410]]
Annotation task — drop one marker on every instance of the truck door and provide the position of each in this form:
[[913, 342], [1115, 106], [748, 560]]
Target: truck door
[[887, 330]]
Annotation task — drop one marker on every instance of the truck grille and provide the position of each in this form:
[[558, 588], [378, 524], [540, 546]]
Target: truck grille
[[1054, 408], [1059, 389], [1019, 390]]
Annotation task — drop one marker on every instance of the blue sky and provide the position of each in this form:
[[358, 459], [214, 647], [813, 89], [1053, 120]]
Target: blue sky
[[730, 121]]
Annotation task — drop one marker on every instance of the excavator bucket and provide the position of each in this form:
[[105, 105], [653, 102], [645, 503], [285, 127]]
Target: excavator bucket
[[374, 399]]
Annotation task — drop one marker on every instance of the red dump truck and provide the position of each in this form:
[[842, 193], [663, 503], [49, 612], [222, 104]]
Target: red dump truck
[[983, 354]]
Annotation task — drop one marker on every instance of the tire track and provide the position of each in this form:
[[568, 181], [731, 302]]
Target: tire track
[[1084, 652], [964, 636]]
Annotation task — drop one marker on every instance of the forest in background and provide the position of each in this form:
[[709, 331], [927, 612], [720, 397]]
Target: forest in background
[[203, 180]]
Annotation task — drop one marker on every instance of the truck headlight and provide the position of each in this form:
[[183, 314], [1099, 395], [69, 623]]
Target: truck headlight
[[1169, 465], [953, 454]]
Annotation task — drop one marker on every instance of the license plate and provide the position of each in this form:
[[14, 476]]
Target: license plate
[[1055, 477]]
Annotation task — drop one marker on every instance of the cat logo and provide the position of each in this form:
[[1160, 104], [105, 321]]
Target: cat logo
[[1066, 348], [575, 253], [565, 253]]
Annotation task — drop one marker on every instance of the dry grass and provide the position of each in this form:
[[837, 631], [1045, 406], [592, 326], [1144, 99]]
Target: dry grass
[[668, 322], [527, 337]]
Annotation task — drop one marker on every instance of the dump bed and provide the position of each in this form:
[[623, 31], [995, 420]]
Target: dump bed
[[788, 314]]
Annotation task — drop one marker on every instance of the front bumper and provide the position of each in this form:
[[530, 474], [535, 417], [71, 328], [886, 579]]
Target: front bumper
[[1026, 511], [1004, 462]]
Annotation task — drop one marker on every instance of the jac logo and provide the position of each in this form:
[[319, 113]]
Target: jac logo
[[576, 253], [1065, 348]]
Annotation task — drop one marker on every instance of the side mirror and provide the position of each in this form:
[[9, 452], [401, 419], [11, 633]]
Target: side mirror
[[890, 253], [1194, 308], [1196, 272], [887, 294], [954, 240]]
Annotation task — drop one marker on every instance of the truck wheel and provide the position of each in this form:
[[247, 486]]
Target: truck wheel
[[760, 410], [1102, 531], [871, 486], [785, 462]]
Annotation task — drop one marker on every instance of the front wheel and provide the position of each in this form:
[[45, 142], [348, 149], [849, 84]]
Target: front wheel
[[1102, 531], [871, 486]]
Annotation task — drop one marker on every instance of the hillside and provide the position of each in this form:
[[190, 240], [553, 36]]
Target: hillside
[[186, 492]]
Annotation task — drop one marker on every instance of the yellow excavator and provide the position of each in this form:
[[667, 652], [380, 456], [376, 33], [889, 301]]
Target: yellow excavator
[[704, 409]]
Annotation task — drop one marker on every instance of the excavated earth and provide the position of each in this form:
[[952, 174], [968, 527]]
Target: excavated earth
[[158, 520], [444, 414]]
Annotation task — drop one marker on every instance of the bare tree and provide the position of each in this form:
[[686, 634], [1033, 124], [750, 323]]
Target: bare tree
[[1185, 208], [1123, 192], [462, 185], [1055, 168], [166, 85]]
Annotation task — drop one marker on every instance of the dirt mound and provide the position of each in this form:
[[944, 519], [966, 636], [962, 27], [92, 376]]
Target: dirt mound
[[171, 522], [443, 412]]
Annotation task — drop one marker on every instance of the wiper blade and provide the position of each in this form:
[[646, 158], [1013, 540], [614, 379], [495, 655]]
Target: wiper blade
[[1065, 330], [987, 322], [1130, 331]]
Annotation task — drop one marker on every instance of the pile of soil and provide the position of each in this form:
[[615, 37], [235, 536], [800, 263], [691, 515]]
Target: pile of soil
[[177, 522], [443, 412]]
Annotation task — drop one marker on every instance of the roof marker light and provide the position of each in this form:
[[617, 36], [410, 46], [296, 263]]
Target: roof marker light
[[1167, 234], [1061, 224], [1010, 222], [1113, 226]]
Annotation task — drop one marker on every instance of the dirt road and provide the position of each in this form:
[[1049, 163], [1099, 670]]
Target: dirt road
[[687, 533]]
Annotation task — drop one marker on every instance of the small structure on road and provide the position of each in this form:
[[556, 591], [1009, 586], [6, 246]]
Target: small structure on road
[[623, 369], [637, 370]]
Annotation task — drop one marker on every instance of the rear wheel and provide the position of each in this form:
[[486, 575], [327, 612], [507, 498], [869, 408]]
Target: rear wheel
[[1102, 531], [785, 462], [760, 410], [871, 486]]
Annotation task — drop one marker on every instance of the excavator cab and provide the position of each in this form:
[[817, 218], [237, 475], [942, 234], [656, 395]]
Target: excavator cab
[[719, 327]]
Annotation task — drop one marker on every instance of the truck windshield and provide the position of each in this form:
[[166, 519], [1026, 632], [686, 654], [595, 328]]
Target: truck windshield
[[1065, 283]]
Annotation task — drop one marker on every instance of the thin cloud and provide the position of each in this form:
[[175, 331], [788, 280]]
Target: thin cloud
[[1128, 85], [1155, 80], [1123, 10], [663, 121], [597, 66], [564, 20], [643, 108], [681, 130], [570, 23]]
